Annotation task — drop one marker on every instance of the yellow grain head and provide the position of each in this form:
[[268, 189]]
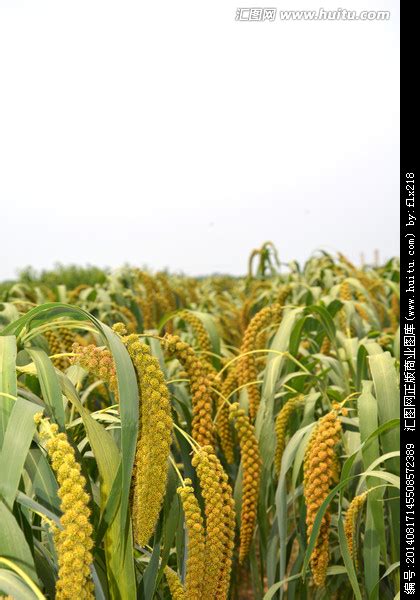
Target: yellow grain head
[[154, 441], [220, 523], [60, 341], [325, 346], [203, 338], [282, 420], [345, 291], [203, 430], [247, 367], [344, 295], [175, 586], [73, 295], [251, 467], [350, 522], [196, 564], [146, 288], [394, 312], [320, 472], [361, 311], [222, 422], [74, 541], [284, 294], [129, 317], [98, 362]]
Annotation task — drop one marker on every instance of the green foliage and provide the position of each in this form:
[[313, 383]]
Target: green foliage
[[70, 276], [330, 347]]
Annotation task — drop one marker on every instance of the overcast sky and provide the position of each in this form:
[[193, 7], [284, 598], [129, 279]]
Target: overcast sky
[[169, 134]]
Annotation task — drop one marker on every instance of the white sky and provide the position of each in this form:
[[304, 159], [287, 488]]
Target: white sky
[[169, 134]]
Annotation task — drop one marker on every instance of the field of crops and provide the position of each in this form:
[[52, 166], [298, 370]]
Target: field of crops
[[213, 438]]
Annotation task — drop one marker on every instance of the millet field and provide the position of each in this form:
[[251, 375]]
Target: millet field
[[214, 438]]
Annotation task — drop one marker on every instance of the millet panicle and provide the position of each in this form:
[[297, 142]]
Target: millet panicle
[[247, 366], [203, 430], [220, 523], [194, 523], [150, 469], [74, 541], [251, 465], [282, 420], [353, 511], [320, 471]]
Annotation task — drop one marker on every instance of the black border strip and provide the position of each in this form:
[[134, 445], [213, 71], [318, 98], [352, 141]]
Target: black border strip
[[409, 174]]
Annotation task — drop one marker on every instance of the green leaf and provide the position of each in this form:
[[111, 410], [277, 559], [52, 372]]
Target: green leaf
[[13, 586], [387, 394], [151, 572], [123, 579], [170, 527], [345, 553], [50, 386], [44, 485], [331, 571], [8, 382], [325, 319], [374, 538], [13, 544], [18, 437], [385, 380], [129, 413], [281, 494], [37, 508], [118, 539], [388, 572]]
